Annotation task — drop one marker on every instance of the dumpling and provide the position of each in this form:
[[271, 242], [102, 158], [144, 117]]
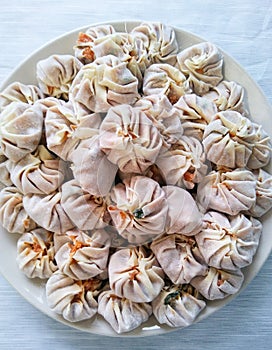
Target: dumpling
[[195, 113], [183, 214], [218, 283], [228, 191], [135, 274], [183, 163], [4, 173], [178, 305], [232, 140], [20, 130], [228, 242], [129, 139], [13, 216], [103, 83], [92, 169], [74, 300], [83, 48], [177, 255], [263, 193], [159, 40], [36, 254], [261, 148], [47, 211], [19, 92], [123, 46], [40, 172], [84, 209], [138, 208], [163, 115], [202, 64], [56, 73], [64, 130], [122, 314], [228, 95], [80, 255], [164, 79]]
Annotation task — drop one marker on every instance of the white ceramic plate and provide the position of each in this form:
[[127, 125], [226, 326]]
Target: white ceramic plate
[[34, 290]]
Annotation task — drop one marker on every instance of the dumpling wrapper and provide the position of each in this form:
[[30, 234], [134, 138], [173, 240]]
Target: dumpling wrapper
[[203, 66], [36, 254], [138, 209], [178, 305], [40, 172], [74, 300], [104, 83], [83, 47], [19, 92], [228, 242], [129, 139], [164, 79], [122, 314], [135, 274], [183, 164], [56, 73], [82, 256], [228, 191], [13, 216], [92, 169], [47, 211], [183, 214], [177, 255], [85, 210], [20, 129], [218, 283]]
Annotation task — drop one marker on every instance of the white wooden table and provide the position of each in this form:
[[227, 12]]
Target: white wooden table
[[241, 28]]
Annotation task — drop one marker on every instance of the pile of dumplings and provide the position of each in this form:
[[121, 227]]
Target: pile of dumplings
[[135, 176]]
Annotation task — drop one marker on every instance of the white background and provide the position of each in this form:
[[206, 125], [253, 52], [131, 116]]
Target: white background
[[241, 28]]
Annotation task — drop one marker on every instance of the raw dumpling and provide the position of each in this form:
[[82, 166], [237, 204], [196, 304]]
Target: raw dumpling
[[183, 163], [218, 283], [135, 274], [263, 193], [40, 172], [195, 113], [20, 129], [56, 73], [103, 83], [164, 79], [92, 169], [138, 209], [122, 314], [4, 173], [228, 242], [82, 256], [84, 209], [178, 305], [36, 254], [64, 131], [19, 92], [47, 211], [232, 140], [228, 191], [177, 255], [163, 115], [84, 43], [202, 64], [158, 40], [129, 139], [13, 215], [74, 300], [228, 95], [183, 214]]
